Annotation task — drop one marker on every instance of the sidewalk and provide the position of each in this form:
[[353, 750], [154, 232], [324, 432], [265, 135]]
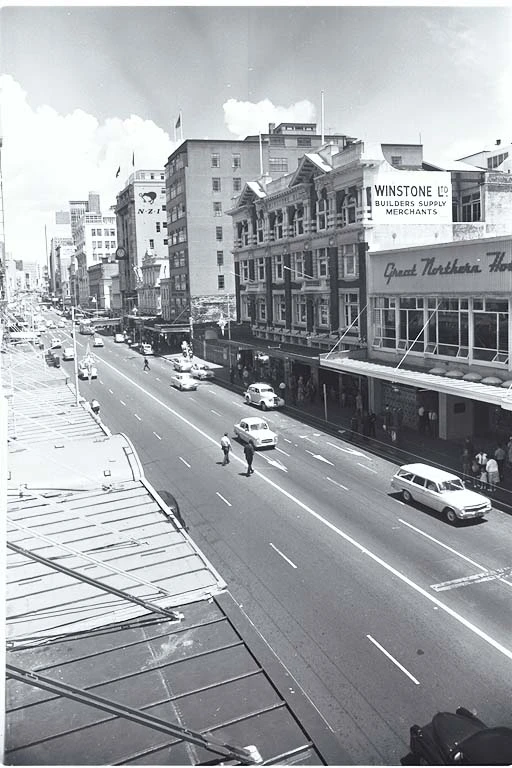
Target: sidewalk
[[411, 445]]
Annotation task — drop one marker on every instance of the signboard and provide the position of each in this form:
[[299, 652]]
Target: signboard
[[412, 197]]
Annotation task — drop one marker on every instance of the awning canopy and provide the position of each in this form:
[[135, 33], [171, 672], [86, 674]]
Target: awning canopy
[[169, 328], [486, 393]]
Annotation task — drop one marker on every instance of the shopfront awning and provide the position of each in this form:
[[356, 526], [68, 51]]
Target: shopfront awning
[[486, 393], [169, 328]]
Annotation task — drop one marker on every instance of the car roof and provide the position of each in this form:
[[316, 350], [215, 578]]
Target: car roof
[[429, 473], [253, 419]]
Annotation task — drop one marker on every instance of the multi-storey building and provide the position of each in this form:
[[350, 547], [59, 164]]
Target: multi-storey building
[[64, 254], [100, 283], [202, 177], [304, 245], [141, 227], [148, 292], [95, 239]]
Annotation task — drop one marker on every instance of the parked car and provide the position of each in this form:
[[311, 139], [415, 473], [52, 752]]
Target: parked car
[[146, 349], [87, 370], [439, 490], [182, 364], [201, 372], [98, 342], [55, 343], [119, 338], [254, 430], [263, 396], [68, 353], [61, 324], [183, 380], [261, 357], [52, 359]]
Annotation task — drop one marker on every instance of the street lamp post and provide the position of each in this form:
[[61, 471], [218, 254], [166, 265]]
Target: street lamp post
[[75, 361]]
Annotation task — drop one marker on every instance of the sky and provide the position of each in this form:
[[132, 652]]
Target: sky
[[84, 89]]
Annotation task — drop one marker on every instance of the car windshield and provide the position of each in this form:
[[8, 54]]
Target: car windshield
[[258, 426], [267, 389], [452, 485]]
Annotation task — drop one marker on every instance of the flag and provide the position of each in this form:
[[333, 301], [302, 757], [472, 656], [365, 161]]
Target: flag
[[133, 159], [178, 122], [118, 171]]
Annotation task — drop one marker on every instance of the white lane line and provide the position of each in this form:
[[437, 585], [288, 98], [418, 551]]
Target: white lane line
[[497, 574], [158, 436], [111, 392], [185, 462], [338, 484], [286, 440], [137, 417], [507, 652], [320, 458], [395, 662], [316, 434], [283, 556], [215, 412], [156, 377], [349, 450], [122, 402], [440, 544], [240, 405], [281, 451], [223, 499], [365, 467], [315, 442]]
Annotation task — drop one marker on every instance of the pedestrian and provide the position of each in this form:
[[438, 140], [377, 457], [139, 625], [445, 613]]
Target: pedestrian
[[240, 370], [249, 455], [354, 425], [466, 463], [509, 453], [500, 455], [95, 407], [432, 418], [493, 475], [146, 365], [312, 391], [225, 444], [232, 374], [245, 376], [300, 391], [359, 403], [481, 460], [372, 420], [421, 419], [387, 420], [282, 389]]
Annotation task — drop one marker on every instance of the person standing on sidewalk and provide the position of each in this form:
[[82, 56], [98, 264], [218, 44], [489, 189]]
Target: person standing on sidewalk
[[225, 444], [249, 455], [493, 475], [499, 455], [466, 464]]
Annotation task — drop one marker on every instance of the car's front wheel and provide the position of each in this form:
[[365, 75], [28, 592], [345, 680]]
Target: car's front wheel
[[450, 515], [263, 406], [406, 496]]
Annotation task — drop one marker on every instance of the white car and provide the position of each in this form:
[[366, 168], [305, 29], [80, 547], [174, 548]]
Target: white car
[[182, 364], [146, 349], [261, 357], [119, 338], [98, 342], [86, 371], [201, 372], [61, 324], [68, 353], [183, 380], [263, 396], [254, 430], [55, 344]]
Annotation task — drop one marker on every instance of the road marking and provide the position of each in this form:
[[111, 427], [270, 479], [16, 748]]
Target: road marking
[[273, 462], [240, 405], [156, 377], [315, 442], [158, 436], [111, 392], [316, 434], [215, 412], [283, 556], [185, 462], [348, 450], [440, 543], [137, 417], [286, 440], [391, 658], [223, 499], [320, 458], [368, 468], [475, 578], [122, 402], [338, 484], [507, 652], [281, 451]]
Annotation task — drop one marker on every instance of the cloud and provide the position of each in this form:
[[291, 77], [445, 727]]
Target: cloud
[[245, 118], [49, 159]]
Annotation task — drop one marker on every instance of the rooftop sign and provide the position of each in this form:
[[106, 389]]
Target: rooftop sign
[[413, 197]]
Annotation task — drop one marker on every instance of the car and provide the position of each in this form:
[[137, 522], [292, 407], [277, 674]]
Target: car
[[61, 324], [119, 338], [146, 349], [182, 364], [441, 491], [55, 343], [201, 372], [50, 324], [68, 353], [183, 380], [253, 429], [261, 357], [87, 371], [263, 396], [52, 359], [98, 342]]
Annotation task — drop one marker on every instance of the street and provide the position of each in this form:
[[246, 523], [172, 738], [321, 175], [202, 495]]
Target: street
[[384, 613]]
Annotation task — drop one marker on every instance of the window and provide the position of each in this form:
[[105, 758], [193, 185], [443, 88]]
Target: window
[[351, 309], [348, 210], [112, 233], [448, 324], [323, 311], [303, 141], [165, 241], [112, 243], [322, 262], [217, 209], [237, 162], [350, 261], [384, 322], [299, 309], [237, 184], [277, 141], [218, 233], [215, 160], [322, 209], [107, 245], [396, 159], [260, 226], [220, 282], [216, 184], [151, 243], [298, 221], [100, 243], [278, 267], [411, 323], [262, 309], [471, 207], [298, 265], [220, 258], [279, 308], [244, 271], [494, 162], [260, 269], [491, 331], [278, 164], [158, 226]]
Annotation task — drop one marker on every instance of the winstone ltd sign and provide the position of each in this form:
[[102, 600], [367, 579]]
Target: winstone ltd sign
[[413, 197]]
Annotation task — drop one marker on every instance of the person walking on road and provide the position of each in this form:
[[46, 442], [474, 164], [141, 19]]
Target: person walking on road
[[249, 455], [146, 364], [225, 444], [95, 407]]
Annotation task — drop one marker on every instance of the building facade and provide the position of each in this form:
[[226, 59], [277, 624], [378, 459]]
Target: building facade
[[141, 221], [202, 179], [95, 239], [100, 283], [148, 293], [64, 254]]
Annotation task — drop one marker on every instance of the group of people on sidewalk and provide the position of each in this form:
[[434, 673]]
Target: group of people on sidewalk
[[225, 444], [487, 469]]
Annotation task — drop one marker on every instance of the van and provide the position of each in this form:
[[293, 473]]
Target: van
[[439, 490]]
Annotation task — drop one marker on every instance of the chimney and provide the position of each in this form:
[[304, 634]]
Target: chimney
[[271, 127], [498, 142]]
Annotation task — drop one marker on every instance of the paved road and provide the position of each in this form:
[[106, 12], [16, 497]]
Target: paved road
[[374, 606]]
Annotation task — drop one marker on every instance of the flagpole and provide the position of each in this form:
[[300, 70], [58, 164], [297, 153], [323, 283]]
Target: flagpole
[[322, 118], [181, 124], [261, 157]]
